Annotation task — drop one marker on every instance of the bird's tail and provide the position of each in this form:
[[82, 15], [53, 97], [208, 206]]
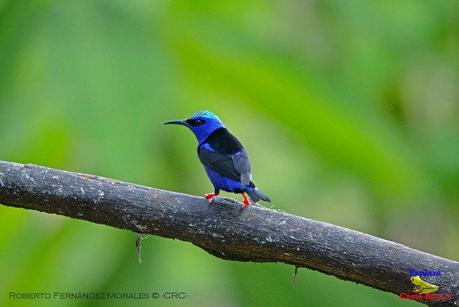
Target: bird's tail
[[256, 195]]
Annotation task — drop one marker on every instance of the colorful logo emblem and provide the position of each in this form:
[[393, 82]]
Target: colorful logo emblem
[[421, 286], [423, 290]]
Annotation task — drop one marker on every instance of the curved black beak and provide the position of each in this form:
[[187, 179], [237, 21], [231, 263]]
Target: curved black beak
[[176, 122]]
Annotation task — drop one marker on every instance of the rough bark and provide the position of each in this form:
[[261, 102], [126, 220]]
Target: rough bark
[[254, 234]]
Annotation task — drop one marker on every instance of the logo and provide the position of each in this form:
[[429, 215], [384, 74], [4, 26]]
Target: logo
[[422, 289]]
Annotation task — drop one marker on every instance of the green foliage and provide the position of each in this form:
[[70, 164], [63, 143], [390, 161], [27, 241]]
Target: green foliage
[[349, 110]]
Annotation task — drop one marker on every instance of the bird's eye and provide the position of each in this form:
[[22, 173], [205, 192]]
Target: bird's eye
[[195, 122]]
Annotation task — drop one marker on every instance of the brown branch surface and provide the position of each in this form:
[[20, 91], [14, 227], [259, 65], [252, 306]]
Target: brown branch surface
[[255, 234]]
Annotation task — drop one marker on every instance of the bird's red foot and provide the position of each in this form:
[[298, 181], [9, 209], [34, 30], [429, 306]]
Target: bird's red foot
[[210, 196], [245, 202]]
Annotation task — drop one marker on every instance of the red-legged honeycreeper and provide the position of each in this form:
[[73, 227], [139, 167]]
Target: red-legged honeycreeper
[[223, 156]]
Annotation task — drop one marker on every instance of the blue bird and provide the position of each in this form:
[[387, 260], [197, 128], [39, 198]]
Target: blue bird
[[223, 156]]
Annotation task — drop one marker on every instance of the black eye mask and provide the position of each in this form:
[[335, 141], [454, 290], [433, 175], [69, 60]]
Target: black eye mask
[[195, 122]]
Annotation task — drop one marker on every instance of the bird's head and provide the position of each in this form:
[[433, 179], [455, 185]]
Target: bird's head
[[202, 123]]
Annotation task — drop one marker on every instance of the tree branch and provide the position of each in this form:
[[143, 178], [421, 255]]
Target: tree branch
[[255, 234]]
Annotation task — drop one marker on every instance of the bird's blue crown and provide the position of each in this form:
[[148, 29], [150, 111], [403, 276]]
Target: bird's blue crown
[[205, 114]]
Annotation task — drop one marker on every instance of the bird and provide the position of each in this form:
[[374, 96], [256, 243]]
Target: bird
[[224, 158]]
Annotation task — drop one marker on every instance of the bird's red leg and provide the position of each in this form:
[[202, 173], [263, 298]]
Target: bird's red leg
[[210, 196], [245, 201]]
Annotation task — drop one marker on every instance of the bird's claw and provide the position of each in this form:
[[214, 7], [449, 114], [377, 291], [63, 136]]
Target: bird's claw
[[245, 202], [210, 197]]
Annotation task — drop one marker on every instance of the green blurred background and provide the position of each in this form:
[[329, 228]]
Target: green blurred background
[[348, 109]]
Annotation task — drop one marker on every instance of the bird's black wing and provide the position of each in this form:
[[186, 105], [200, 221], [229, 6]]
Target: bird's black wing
[[221, 163], [242, 165], [223, 153], [236, 166]]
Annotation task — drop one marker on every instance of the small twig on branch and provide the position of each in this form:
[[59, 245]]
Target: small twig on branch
[[255, 234], [138, 246], [295, 272]]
